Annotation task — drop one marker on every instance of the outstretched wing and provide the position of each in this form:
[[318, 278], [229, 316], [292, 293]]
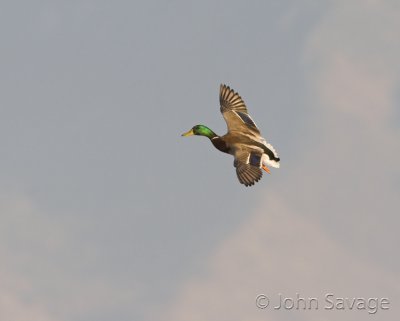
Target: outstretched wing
[[247, 166], [234, 111]]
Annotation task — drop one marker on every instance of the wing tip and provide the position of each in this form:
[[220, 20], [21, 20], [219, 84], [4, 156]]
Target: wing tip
[[224, 87], [230, 99], [248, 175]]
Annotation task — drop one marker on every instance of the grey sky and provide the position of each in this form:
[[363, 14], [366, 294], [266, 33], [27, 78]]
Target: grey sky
[[107, 213]]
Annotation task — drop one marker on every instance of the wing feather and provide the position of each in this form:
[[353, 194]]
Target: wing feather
[[248, 170], [234, 111], [230, 100]]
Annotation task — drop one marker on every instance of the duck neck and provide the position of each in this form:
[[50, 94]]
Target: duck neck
[[207, 132]]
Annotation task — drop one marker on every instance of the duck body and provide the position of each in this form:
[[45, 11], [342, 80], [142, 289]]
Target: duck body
[[243, 140]]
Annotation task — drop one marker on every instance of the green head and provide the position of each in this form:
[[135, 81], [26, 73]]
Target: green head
[[200, 130]]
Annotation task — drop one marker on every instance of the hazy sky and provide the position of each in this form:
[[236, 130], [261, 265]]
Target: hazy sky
[[108, 214]]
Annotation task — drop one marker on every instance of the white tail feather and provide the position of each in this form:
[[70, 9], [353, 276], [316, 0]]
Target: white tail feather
[[267, 161]]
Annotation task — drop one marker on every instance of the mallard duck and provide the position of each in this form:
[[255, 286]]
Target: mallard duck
[[243, 139]]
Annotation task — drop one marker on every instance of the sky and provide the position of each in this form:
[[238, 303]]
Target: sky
[[106, 212]]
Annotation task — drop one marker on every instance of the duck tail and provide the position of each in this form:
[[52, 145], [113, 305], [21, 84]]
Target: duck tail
[[271, 160]]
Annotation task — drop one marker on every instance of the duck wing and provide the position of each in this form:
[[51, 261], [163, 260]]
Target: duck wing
[[235, 112], [247, 165]]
